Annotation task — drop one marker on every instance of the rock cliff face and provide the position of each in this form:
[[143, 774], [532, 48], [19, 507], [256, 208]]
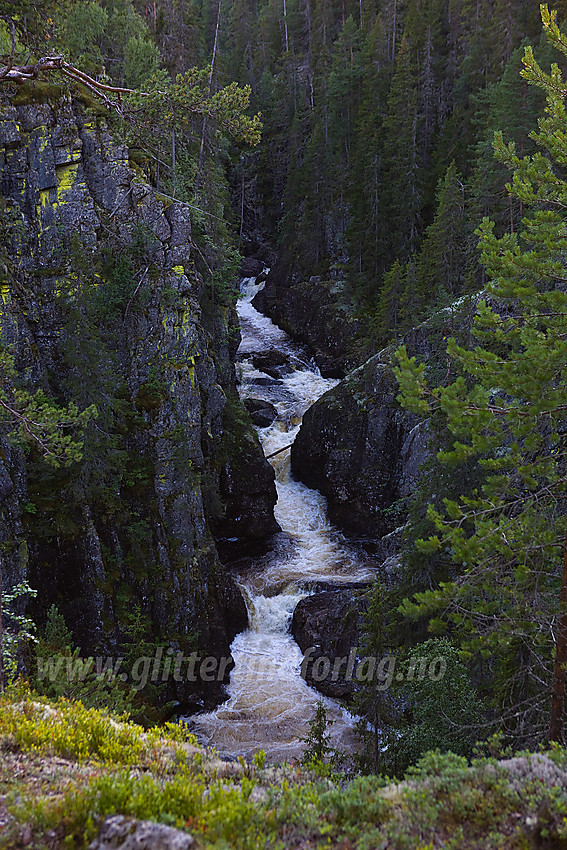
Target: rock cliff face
[[328, 625], [360, 448], [105, 307], [310, 310]]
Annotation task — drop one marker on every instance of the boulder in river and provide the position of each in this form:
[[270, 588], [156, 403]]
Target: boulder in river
[[326, 627], [262, 413], [273, 362], [251, 267]]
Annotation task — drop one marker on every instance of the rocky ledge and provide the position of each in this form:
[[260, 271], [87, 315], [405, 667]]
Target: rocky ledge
[[103, 306], [311, 310], [360, 448], [327, 628]]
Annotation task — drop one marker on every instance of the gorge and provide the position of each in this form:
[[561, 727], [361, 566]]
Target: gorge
[[283, 435], [270, 706]]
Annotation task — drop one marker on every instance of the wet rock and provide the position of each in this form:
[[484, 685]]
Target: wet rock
[[327, 627], [264, 382], [350, 448], [273, 362], [361, 449], [329, 365], [251, 267], [234, 615], [322, 586], [121, 833], [262, 413], [309, 309], [133, 525], [273, 357], [249, 494]]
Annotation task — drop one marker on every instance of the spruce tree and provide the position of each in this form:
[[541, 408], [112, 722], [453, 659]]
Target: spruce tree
[[442, 258], [506, 411], [401, 196], [366, 228], [389, 313]]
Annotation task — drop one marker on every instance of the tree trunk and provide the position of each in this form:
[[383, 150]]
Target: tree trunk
[[204, 130], [394, 32], [173, 162], [241, 209], [559, 670], [285, 26]]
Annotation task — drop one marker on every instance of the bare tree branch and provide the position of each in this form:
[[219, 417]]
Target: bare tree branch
[[24, 73]]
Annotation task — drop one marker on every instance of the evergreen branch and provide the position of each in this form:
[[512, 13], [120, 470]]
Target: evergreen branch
[[7, 68], [28, 426]]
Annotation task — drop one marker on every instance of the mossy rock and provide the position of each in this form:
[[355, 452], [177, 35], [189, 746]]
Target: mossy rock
[[38, 91]]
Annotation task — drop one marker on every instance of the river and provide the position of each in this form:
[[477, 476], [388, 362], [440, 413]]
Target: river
[[270, 706]]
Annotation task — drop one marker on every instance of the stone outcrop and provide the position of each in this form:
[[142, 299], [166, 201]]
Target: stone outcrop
[[311, 310], [360, 448], [273, 362], [102, 305], [327, 627], [121, 833], [251, 267], [262, 413]]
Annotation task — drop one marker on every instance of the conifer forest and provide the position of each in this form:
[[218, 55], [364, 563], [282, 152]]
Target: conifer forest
[[283, 424]]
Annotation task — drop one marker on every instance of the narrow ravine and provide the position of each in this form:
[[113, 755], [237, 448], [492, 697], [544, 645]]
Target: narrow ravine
[[270, 706]]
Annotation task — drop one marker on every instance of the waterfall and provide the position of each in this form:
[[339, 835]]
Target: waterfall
[[270, 706]]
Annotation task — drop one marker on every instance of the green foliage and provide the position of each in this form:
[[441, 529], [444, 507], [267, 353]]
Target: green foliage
[[401, 175], [82, 25], [56, 634], [223, 814], [167, 104], [139, 642], [68, 729], [141, 60], [128, 42], [259, 759], [156, 776], [505, 412], [62, 671], [318, 753], [373, 703], [441, 708], [442, 258], [18, 630], [36, 422], [359, 804]]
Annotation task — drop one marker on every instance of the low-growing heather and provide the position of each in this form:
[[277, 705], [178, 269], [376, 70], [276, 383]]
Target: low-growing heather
[[184, 801], [115, 767], [67, 728]]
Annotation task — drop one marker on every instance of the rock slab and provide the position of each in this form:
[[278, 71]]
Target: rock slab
[[121, 833]]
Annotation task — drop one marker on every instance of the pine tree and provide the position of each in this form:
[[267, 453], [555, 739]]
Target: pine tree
[[241, 42], [506, 412], [365, 229], [441, 263], [343, 84], [401, 197], [512, 104], [389, 316]]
